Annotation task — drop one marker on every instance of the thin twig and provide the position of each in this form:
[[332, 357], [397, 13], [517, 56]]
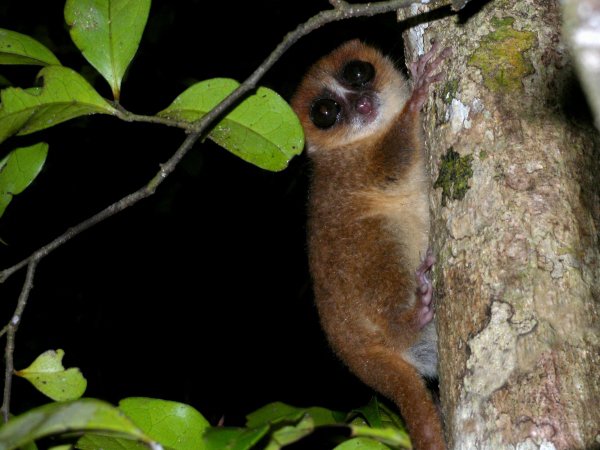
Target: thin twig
[[128, 116], [342, 10], [10, 338]]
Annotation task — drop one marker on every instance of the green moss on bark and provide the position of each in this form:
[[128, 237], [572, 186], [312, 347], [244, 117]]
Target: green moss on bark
[[455, 172], [500, 56]]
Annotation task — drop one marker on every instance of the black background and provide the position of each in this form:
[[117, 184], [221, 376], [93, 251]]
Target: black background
[[200, 294]]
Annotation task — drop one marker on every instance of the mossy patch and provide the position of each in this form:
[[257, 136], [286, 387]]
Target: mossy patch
[[500, 56], [455, 172], [449, 91]]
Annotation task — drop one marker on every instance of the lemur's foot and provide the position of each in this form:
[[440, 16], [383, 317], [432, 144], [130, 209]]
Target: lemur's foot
[[425, 290]]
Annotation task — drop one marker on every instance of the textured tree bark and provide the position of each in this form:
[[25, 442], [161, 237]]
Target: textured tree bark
[[515, 225]]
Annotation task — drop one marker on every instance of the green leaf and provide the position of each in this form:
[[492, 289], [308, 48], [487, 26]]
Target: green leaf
[[32, 446], [289, 434], [92, 441], [49, 377], [324, 416], [378, 415], [277, 412], [225, 438], [65, 95], [4, 82], [17, 48], [72, 417], [262, 130], [108, 33], [362, 444], [290, 424], [274, 413], [388, 435], [384, 425], [390, 417], [173, 424], [18, 169], [371, 412]]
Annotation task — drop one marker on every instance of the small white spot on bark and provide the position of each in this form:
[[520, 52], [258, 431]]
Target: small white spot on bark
[[477, 105], [415, 34], [459, 116], [15, 319], [533, 166]]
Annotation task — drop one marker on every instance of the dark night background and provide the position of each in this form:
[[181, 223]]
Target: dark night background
[[201, 293]]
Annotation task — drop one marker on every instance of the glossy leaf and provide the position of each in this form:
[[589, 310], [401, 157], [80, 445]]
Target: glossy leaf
[[33, 446], [49, 377], [17, 48], [290, 424], [384, 424], [4, 82], [64, 95], [173, 424], [108, 33], [362, 444], [274, 413], [18, 169], [277, 412], [91, 441], [289, 434], [372, 413], [262, 129], [225, 438], [387, 435], [72, 417]]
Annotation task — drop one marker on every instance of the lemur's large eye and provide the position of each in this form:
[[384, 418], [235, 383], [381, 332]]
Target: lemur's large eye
[[358, 73], [324, 112]]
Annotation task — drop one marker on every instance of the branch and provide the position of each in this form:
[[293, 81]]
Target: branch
[[341, 11], [198, 129], [11, 331], [128, 116]]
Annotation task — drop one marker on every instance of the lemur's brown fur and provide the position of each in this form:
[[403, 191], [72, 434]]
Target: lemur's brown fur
[[369, 226]]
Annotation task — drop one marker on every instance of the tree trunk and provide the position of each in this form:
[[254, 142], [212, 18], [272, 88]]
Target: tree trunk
[[515, 226]]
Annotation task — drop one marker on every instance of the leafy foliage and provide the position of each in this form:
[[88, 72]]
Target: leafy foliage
[[17, 48], [49, 377], [18, 169], [108, 33], [138, 422], [261, 129], [76, 416], [64, 95]]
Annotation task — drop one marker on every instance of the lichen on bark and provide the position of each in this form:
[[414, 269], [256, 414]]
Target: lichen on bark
[[455, 172], [500, 56]]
